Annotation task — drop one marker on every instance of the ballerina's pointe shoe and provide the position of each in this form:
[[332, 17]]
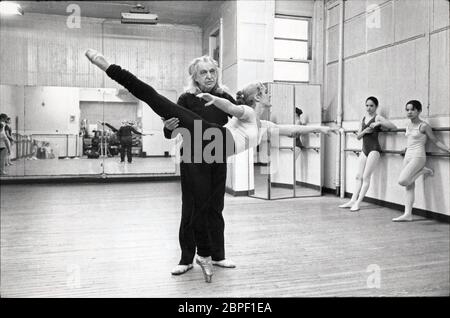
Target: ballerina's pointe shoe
[[97, 59], [354, 208], [206, 266]]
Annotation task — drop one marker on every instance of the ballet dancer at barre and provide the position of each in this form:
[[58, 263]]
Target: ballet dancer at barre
[[371, 125], [417, 133]]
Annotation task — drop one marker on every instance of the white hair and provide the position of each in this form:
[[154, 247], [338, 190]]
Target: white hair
[[192, 86]]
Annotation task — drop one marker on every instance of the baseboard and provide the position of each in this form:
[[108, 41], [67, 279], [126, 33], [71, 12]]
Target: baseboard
[[308, 185], [399, 207], [88, 179], [239, 193], [298, 183], [260, 164], [281, 185], [329, 191]]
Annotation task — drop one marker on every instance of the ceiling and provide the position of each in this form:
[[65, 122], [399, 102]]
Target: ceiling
[[169, 12]]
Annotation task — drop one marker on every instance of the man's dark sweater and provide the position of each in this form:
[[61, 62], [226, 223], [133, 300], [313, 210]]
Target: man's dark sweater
[[125, 134], [209, 113]]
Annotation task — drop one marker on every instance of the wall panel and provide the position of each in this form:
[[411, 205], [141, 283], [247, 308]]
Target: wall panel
[[332, 47], [355, 88], [355, 36], [382, 34], [439, 73], [441, 9], [330, 105], [332, 15], [409, 74], [303, 8], [410, 18], [353, 8]]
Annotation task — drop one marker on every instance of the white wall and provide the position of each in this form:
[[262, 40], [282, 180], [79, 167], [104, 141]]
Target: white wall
[[39, 49], [48, 110]]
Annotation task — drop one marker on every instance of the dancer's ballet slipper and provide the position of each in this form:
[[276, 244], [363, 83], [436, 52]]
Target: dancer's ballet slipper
[[347, 205], [181, 269], [429, 171], [225, 263], [403, 218]]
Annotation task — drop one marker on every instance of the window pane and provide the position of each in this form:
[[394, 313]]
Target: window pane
[[290, 71], [291, 28], [285, 49]]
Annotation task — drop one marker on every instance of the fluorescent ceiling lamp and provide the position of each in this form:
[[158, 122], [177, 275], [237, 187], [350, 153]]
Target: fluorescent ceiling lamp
[[139, 18], [10, 8], [139, 15]]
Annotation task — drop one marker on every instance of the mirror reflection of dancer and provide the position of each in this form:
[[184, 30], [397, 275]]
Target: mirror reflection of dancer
[[417, 133], [369, 157], [298, 142], [8, 132], [5, 149], [243, 131], [124, 133]]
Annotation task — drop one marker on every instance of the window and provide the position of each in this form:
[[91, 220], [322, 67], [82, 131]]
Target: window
[[292, 49], [214, 46]]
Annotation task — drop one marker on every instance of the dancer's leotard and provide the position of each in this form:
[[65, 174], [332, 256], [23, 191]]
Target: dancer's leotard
[[415, 143], [370, 141]]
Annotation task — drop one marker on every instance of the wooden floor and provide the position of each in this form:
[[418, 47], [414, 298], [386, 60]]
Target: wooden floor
[[121, 240]]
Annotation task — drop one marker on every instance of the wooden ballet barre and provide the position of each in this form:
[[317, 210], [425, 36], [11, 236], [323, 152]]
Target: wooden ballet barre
[[316, 149], [400, 152], [286, 148], [354, 131]]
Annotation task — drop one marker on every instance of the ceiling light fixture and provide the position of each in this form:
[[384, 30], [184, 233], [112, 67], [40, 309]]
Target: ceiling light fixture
[[139, 15]]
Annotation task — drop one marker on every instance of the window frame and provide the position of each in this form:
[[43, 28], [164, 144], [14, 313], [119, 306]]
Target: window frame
[[308, 41]]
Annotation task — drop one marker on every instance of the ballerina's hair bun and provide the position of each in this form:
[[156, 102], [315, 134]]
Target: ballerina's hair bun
[[240, 98]]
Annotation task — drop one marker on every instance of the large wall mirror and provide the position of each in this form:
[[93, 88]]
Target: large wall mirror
[[70, 131], [287, 167], [64, 112]]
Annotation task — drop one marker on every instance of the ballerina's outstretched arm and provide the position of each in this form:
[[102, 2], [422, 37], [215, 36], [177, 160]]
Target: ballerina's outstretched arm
[[289, 130], [223, 104]]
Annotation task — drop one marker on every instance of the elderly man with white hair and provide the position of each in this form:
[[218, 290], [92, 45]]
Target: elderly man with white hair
[[209, 189]]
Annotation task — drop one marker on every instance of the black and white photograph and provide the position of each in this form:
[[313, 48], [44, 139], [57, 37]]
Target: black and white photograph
[[211, 152]]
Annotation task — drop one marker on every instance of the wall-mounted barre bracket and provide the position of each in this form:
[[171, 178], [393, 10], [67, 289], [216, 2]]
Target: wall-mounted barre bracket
[[355, 151], [316, 149]]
